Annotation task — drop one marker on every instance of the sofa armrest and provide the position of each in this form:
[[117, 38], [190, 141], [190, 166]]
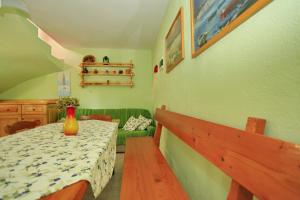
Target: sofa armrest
[[151, 130]]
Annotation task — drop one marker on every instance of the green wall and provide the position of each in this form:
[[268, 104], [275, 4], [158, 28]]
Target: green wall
[[96, 96], [253, 71]]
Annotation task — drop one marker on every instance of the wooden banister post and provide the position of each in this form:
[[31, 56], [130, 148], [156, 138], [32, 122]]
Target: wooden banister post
[[157, 133], [237, 191], [255, 125]]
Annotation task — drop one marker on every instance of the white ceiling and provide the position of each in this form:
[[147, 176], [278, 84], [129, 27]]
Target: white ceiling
[[99, 23]]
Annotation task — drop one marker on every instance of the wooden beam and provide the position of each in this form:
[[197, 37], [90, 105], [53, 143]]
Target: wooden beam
[[269, 168], [255, 125], [237, 191]]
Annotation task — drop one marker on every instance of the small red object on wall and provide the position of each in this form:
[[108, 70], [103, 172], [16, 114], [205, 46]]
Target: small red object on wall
[[155, 69]]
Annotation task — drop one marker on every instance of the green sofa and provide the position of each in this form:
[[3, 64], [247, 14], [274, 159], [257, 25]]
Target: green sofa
[[123, 114]]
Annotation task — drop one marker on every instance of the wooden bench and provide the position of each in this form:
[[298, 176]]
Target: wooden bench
[[258, 165]]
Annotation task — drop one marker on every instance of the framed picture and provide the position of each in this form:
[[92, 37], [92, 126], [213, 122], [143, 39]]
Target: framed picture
[[64, 84], [174, 43], [213, 19]]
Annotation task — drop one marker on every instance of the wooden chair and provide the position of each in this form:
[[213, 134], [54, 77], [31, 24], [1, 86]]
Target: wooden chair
[[107, 118], [20, 126]]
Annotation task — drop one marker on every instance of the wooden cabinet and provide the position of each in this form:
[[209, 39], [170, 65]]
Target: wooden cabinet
[[41, 118], [34, 109], [5, 120], [12, 111]]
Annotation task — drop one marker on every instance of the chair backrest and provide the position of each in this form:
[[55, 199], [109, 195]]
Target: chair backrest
[[20, 126], [96, 117]]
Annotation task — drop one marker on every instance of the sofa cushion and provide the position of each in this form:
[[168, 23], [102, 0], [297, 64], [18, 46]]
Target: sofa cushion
[[144, 123], [132, 124]]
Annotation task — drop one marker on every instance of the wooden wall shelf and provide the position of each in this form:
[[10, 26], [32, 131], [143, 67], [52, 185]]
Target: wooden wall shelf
[[107, 71], [105, 84], [104, 74], [126, 65]]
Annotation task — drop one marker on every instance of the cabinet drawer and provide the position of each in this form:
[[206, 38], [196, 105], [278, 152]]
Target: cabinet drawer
[[41, 118], [7, 120], [34, 109], [10, 109]]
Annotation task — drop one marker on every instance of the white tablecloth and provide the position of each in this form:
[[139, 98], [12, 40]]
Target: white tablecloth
[[41, 161]]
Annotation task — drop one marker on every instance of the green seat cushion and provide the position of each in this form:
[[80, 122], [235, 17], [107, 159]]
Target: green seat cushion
[[122, 134]]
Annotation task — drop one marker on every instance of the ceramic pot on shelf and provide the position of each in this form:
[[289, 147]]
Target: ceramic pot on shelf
[[105, 60], [85, 70], [128, 71], [70, 125]]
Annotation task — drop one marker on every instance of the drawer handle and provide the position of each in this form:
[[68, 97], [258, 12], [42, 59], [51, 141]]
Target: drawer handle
[[8, 110], [33, 109]]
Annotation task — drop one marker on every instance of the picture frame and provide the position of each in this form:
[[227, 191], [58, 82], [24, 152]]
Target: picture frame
[[211, 20], [64, 84], [174, 42]]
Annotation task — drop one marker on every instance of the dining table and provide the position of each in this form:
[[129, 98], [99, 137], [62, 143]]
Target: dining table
[[43, 162]]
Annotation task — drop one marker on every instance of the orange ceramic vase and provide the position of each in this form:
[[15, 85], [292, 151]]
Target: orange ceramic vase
[[70, 125]]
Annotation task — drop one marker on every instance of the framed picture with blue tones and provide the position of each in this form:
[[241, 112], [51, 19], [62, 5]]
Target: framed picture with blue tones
[[174, 43], [213, 19], [64, 84]]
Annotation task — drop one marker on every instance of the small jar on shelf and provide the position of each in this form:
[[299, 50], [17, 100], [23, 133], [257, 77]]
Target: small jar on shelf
[[128, 71]]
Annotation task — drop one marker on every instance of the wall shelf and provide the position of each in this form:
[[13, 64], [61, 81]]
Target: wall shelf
[[125, 65], [105, 84], [104, 74], [109, 76]]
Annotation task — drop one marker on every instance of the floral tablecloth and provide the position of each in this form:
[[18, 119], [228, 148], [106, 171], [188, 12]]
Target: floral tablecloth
[[41, 161]]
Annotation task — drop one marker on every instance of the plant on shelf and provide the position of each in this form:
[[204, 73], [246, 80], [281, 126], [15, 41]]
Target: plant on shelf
[[89, 59], [64, 102], [105, 60]]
